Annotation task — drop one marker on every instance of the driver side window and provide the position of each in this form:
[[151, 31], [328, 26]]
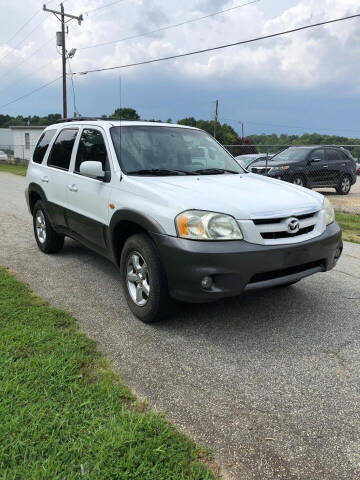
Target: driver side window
[[91, 148], [319, 154]]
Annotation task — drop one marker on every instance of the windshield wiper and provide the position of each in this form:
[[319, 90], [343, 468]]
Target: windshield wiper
[[159, 171], [213, 171]]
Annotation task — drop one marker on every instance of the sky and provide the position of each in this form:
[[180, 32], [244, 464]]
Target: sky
[[301, 82]]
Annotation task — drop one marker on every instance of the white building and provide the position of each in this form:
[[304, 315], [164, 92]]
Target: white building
[[24, 140], [5, 138]]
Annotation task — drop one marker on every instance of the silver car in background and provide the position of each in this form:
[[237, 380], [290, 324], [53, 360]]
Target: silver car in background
[[246, 161]]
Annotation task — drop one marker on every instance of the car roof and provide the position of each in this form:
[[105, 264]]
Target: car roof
[[311, 147], [107, 123]]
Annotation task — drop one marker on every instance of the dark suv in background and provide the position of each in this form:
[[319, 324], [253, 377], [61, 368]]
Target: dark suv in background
[[311, 167]]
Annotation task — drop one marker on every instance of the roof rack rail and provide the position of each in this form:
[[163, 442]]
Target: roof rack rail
[[76, 119]]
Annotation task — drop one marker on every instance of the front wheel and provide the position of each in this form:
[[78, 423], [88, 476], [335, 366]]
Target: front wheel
[[299, 180], [143, 279], [344, 185], [47, 239]]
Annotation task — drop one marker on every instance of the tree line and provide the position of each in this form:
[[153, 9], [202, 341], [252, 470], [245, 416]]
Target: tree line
[[225, 133]]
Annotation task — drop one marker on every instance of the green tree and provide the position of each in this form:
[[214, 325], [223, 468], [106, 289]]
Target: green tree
[[225, 134], [125, 114]]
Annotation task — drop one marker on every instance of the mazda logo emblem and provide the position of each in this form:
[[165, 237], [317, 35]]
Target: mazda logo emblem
[[293, 225]]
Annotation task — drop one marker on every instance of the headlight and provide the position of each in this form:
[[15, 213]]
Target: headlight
[[329, 209], [201, 225]]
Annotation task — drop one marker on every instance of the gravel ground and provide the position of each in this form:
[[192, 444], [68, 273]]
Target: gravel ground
[[344, 203], [270, 381]]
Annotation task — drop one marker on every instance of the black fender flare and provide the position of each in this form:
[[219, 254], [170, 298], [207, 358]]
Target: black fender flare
[[34, 187], [146, 222]]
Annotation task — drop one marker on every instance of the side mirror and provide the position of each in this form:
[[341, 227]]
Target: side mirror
[[92, 169]]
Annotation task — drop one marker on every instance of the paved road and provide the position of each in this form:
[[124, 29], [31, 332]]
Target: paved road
[[271, 380]]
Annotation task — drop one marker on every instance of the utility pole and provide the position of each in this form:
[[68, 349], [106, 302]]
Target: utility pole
[[61, 16], [216, 116]]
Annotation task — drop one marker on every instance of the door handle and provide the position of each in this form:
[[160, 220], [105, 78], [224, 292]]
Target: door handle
[[325, 166], [45, 179], [73, 188]]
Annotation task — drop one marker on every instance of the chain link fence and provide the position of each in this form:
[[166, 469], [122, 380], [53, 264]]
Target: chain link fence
[[330, 169], [333, 170], [16, 154]]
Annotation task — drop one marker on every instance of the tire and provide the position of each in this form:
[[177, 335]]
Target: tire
[[344, 185], [299, 180], [47, 239], [143, 279]]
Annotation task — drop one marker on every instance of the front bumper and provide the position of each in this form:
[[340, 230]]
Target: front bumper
[[236, 266]]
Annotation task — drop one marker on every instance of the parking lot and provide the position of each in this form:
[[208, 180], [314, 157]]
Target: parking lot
[[269, 380], [345, 203]]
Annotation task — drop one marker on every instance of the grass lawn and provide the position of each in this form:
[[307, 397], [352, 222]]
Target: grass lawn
[[350, 225], [17, 169], [66, 415]]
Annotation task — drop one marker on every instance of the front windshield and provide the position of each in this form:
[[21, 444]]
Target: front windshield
[[291, 155], [170, 151]]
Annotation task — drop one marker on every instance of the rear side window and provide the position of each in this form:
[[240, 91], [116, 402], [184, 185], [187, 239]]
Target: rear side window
[[42, 145], [60, 154], [334, 155]]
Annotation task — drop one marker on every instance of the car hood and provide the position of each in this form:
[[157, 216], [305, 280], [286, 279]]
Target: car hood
[[242, 196]]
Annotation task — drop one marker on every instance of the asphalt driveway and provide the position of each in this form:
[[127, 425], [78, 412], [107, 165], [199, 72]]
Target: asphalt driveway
[[270, 380]]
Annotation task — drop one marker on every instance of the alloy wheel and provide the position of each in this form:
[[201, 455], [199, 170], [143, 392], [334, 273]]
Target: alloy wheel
[[298, 181], [345, 184], [40, 226], [137, 279]]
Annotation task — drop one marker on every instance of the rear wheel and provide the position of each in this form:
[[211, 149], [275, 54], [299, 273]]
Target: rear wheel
[[47, 239], [144, 281], [344, 185]]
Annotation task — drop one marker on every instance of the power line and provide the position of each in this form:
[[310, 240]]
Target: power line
[[30, 93], [243, 42], [76, 111], [168, 26], [23, 40], [26, 59], [23, 26], [28, 35], [21, 80], [103, 6]]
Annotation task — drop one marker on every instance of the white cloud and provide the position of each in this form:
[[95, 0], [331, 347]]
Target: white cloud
[[322, 56]]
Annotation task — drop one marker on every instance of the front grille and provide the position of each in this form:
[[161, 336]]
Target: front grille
[[267, 221], [260, 170], [275, 235], [276, 229], [263, 277]]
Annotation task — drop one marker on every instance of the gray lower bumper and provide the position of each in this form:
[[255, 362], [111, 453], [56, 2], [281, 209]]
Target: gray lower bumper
[[237, 266]]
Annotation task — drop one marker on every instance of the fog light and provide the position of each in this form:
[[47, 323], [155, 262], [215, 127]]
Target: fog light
[[206, 283]]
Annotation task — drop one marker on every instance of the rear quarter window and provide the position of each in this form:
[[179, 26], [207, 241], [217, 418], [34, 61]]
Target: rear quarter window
[[62, 148], [42, 146]]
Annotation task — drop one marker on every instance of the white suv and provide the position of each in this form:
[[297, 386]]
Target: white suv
[[172, 208]]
